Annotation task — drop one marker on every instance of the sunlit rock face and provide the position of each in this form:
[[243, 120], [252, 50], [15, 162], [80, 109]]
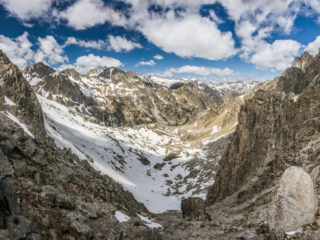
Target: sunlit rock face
[[295, 203]]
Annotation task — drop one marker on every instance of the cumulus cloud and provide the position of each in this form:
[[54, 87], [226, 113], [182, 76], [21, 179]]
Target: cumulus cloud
[[88, 13], [189, 36], [18, 50], [186, 35], [121, 44], [84, 63], [146, 63], [158, 57], [99, 44], [314, 4], [276, 56], [255, 21], [200, 70], [313, 47], [27, 9], [50, 51]]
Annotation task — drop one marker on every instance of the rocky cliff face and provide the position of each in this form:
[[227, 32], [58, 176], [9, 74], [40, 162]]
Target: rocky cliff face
[[274, 130], [18, 96], [303, 72]]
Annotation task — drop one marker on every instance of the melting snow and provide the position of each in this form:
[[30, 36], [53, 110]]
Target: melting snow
[[8, 101], [215, 129], [149, 222], [116, 153], [16, 120], [121, 216], [293, 232], [33, 80]]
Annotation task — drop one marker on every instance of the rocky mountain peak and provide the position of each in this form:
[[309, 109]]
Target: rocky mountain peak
[[303, 72], [113, 73], [71, 73], [303, 62], [39, 69], [3, 58], [25, 105]]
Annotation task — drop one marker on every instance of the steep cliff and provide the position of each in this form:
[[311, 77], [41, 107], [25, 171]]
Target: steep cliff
[[276, 130]]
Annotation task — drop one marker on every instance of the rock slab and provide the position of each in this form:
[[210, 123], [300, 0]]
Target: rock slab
[[295, 203]]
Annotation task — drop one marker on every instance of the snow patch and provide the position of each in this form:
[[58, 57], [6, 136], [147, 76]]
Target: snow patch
[[215, 129], [149, 223], [291, 233], [16, 120], [121, 217], [8, 101]]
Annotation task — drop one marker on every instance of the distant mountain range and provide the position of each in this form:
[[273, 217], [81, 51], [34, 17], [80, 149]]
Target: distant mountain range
[[116, 155]]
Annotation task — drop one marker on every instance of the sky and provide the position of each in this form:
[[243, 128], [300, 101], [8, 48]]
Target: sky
[[211, 40]]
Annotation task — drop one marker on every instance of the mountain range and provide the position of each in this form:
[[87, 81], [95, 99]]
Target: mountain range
[[116, 155]]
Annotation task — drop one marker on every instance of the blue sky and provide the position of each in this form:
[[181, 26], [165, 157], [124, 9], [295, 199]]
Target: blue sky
[[212, 40]]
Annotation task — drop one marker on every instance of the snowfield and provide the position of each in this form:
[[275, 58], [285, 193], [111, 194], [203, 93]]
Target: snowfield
[[128, 155]]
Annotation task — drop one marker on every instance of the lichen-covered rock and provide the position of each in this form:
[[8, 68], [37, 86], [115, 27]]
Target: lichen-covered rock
[[65, 201], [5, 167], [295, 203]]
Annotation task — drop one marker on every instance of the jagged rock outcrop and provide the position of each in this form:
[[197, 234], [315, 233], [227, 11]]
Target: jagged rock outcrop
[[17, 89], [304, 71], [295, 203], [44, 78], [273, 133]]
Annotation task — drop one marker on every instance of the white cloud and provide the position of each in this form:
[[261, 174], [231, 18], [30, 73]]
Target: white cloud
[[88, 13], [189, 35], [27, 9], [146, 63], [315, 4], [84, 63], [120, 44], [255, 21], [99, 44], [313, 47], [276, 56], [18, 50], [200, 70], [50, 51], [186, 35], [158, 57]]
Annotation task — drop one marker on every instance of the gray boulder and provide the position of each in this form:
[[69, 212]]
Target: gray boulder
[[5, 167], [295, 203]]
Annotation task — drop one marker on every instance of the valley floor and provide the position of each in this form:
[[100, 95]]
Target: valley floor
[[150, 161]]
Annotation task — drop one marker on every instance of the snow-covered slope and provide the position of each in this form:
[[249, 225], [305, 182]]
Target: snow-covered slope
[[128, 155], [160, 164]]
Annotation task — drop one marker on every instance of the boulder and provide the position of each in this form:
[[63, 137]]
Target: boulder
[[67, 173], [7, 144], [295, 203], [64, 201], [20, 167], [5, 167], [193, 208]]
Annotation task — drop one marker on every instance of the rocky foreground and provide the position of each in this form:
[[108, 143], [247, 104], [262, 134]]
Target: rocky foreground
[[266, 185]]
